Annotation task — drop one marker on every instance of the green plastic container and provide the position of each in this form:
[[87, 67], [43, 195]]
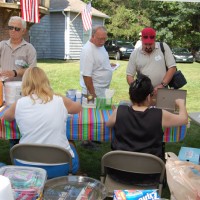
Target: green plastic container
[[104, 103]]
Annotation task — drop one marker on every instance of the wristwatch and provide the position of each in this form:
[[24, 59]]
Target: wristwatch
[[164, 84]]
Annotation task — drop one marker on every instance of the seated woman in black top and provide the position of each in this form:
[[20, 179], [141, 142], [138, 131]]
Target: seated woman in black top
[[138, 127]]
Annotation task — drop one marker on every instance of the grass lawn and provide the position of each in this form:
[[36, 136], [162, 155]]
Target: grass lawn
[[65, 75]]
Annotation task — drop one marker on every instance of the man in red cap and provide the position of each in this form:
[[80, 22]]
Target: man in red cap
[[150, 61]]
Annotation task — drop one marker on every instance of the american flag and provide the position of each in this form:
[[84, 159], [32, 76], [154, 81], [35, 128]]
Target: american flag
[[30, 10], [86, 15]]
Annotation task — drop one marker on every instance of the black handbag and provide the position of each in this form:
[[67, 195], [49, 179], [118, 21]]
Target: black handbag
[[178, 79]]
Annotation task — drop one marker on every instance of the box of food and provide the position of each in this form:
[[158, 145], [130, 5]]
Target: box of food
[[27, 182], [136, 194]]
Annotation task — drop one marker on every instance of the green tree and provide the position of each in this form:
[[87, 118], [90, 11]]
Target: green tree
[[127, 18], [126, 24], [177, 23]]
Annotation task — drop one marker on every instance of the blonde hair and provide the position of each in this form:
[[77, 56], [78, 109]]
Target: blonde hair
[[35, 81]]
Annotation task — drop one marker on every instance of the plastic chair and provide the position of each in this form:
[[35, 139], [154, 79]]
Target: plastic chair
[[56, 160], [131, 162]]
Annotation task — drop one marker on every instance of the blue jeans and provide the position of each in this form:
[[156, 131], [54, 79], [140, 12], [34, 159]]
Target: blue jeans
[[75, 160]]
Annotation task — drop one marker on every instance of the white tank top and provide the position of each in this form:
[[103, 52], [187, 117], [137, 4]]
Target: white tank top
[[42, 123]]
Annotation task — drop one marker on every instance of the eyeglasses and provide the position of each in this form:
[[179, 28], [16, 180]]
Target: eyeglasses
[[146, 37], [14, 28], [101, 39]]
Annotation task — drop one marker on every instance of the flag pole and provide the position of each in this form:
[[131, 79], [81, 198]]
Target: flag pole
[[77, 15]]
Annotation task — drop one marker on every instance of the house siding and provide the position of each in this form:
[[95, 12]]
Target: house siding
[[40, 38], [57, 36], [76, 35], [48, 37]]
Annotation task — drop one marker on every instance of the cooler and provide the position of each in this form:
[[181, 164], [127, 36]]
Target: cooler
[[27, 182]]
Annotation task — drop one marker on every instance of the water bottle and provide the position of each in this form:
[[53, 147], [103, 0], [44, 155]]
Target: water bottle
[[79, 96]]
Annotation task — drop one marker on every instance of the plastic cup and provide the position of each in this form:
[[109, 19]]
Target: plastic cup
[[71, 94]]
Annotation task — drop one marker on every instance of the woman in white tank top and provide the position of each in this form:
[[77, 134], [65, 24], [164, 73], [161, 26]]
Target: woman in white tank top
[[41, 114]]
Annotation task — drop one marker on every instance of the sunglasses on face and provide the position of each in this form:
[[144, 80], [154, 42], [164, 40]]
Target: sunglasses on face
[[14, 28], [146, 37]]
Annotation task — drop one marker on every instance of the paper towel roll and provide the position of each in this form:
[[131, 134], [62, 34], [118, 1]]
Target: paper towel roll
[[5, 189]]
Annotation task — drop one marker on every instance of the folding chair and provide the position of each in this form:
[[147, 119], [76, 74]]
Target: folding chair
[[131, 162], [56, 160]]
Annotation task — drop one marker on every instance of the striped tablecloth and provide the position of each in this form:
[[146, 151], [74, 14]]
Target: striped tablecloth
[[8, 130], [89, 125]]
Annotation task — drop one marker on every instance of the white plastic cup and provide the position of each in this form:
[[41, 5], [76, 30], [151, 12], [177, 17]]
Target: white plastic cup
[[12, 90], [78, 96], [71, 94]]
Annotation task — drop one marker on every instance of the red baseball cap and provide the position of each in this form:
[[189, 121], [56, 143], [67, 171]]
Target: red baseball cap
[[148, 35]]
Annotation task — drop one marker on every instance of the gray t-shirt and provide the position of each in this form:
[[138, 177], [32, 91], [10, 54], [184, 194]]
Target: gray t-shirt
[[22, 56]]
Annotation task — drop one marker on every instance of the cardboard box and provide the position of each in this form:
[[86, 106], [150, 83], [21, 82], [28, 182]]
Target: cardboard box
[[166, 98], [189, 154], [136, 194]]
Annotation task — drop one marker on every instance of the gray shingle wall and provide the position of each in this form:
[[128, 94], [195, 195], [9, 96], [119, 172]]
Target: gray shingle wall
[[40, 37], [48, 37], [57, 36]]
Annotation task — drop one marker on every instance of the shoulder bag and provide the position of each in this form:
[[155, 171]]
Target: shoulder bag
[[178, 79]]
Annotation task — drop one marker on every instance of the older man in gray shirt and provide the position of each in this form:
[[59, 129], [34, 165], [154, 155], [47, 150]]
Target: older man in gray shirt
[[16, 54]]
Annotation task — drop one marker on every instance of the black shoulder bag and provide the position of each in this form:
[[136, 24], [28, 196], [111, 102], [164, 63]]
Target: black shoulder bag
[[178, 79]]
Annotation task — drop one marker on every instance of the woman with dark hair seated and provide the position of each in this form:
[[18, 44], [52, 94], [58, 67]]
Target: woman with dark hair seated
[[138, 128]]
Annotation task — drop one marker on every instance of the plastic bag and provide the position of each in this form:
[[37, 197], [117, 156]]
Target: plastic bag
[[183, 178]]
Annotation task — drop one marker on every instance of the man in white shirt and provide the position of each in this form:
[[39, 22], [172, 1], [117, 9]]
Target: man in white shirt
[[95, 67], [139, 42]]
